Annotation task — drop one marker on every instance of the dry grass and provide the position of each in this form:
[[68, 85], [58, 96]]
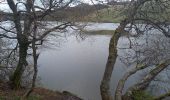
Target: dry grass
[[38, 94]]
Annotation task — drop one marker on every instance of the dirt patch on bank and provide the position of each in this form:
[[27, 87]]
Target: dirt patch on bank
[[38, 94]]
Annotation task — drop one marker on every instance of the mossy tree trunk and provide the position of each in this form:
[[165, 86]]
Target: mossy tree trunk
[[121, 83], [105, 83], [16, 77], [144, 83], [23, 33]]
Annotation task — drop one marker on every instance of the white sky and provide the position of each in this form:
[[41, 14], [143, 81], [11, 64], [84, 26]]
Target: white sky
[[4, 6]]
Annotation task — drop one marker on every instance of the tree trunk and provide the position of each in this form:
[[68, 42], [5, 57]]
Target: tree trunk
[[35, 58], [144, 83], [16, 77], [105, 84]]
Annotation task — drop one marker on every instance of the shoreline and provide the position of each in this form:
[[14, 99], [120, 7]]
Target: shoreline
[[39, 93]]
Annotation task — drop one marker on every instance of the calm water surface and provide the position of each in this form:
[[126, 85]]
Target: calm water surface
[[78, 66]]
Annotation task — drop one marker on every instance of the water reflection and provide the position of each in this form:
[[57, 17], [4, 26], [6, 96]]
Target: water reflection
[[78, 66]]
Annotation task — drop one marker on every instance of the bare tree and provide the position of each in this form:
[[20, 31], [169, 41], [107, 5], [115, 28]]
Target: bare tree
[[150, 14], [25, 15]]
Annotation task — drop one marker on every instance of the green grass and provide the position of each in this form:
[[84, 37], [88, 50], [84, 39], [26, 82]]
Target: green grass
[[116, 14], [142, 95], [105, 15], [34, 98]]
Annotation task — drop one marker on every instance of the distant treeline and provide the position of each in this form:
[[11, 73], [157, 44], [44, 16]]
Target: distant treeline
[[70, 13], [75, 13]]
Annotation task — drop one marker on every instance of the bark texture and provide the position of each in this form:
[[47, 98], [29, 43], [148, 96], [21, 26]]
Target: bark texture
[[16, 78], [144, 83], [22, 38], [121, 83], [105, 83]]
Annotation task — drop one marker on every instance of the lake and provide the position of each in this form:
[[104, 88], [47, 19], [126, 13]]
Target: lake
[[78, 65]]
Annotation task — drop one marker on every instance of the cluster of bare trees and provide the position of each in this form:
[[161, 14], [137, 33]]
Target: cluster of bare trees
[[141, 17], [28, 30]]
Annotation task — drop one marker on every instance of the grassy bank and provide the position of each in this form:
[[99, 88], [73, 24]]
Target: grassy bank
[[111, 15], [98, 32]]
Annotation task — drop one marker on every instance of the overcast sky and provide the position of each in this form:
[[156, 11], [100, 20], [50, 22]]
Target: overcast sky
[[4, 6]]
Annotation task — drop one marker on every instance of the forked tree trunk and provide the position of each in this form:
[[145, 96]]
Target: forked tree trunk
[[16, 77]]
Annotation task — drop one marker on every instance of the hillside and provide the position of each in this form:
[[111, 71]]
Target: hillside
[[105, 15], [80, 13], [76, 13]]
